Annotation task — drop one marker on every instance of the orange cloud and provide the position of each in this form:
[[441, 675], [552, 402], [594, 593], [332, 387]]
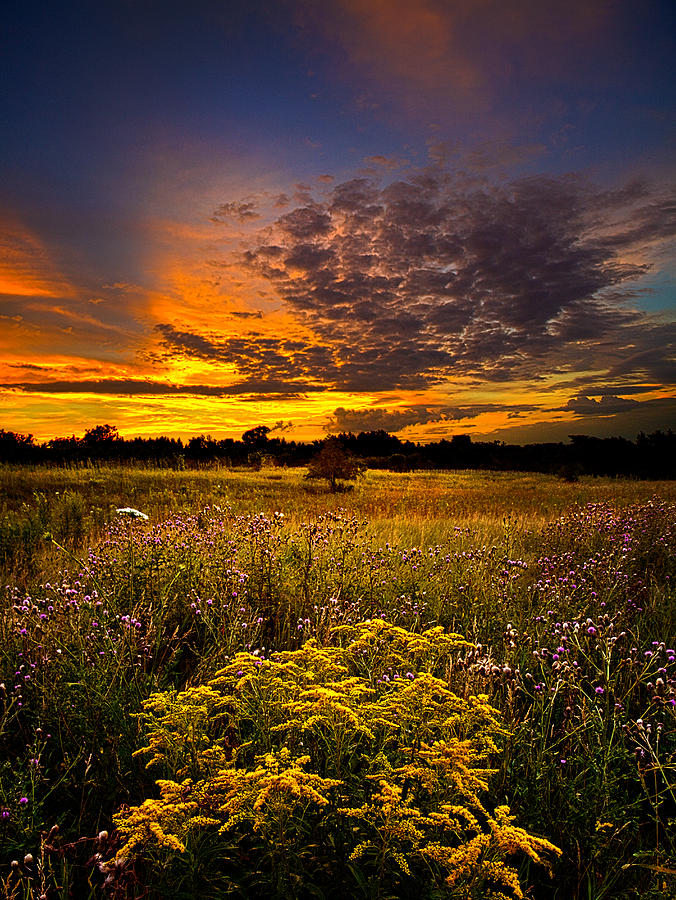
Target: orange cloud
[[26, 269], [47, 313]]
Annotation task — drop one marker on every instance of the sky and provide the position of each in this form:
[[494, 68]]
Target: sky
[[433, 217]]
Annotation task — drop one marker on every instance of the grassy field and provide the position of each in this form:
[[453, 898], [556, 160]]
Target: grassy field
[[422, 508], [267, 689]]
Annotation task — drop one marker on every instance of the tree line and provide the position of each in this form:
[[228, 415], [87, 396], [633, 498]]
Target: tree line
[[648, 456]]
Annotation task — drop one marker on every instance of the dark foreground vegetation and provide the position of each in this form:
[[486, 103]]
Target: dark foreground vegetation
[[433, 686], [649, 456]]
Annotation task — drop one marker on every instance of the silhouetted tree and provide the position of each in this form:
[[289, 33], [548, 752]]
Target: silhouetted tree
[[256, 437], [16, 447], [202, 449], [102, 442], [649, 456], [101, 434]]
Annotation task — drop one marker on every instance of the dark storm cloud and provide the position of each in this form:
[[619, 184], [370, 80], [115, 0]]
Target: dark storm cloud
[[408, 283], [590, 320], [653, 359], [318, 365], [305, 222], [417, 280], [395, 420], [654, 220]]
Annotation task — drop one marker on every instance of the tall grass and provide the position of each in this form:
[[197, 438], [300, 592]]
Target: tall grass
[[564, 593], [75, 505]]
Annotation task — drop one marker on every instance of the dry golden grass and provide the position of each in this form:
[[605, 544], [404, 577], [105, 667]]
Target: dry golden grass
[[414, 509]]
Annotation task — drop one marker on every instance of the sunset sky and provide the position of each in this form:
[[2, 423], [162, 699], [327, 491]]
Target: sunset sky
[[428, 216]]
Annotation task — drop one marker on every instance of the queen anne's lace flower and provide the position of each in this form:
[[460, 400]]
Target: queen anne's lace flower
[[131, 512]]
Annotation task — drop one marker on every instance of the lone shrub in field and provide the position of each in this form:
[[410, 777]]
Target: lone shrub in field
[[334, 464], [350, 768]]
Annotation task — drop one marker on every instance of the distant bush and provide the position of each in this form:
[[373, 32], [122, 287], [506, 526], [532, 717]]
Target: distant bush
[[570, 472], [334, 464]]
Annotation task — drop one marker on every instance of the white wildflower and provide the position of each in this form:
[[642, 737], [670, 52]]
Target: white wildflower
[[132, 513]]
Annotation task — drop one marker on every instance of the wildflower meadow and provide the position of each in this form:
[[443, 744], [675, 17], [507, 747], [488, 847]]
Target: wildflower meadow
[[236, 683]]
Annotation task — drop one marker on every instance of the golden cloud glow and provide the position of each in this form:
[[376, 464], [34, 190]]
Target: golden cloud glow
[[26, 269], [204, 342]]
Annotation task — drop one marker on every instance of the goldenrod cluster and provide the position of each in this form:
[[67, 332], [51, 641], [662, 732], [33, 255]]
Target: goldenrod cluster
[[354, 759]]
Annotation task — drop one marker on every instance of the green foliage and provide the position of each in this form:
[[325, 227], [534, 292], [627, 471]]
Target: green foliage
[[22, 536], [71, 679]]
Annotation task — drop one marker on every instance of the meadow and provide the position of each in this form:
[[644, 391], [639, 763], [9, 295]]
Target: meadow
[[456, 684]]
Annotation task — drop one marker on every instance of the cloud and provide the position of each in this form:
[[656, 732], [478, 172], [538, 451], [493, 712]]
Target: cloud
[[27, 269], [242, 211], [608, 405], [384, 162], [632, 359], [263, 388], [356, 420], [297, 364], [392, 421], [647, 416], [434, 55], [412, 282], [281, 426]]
